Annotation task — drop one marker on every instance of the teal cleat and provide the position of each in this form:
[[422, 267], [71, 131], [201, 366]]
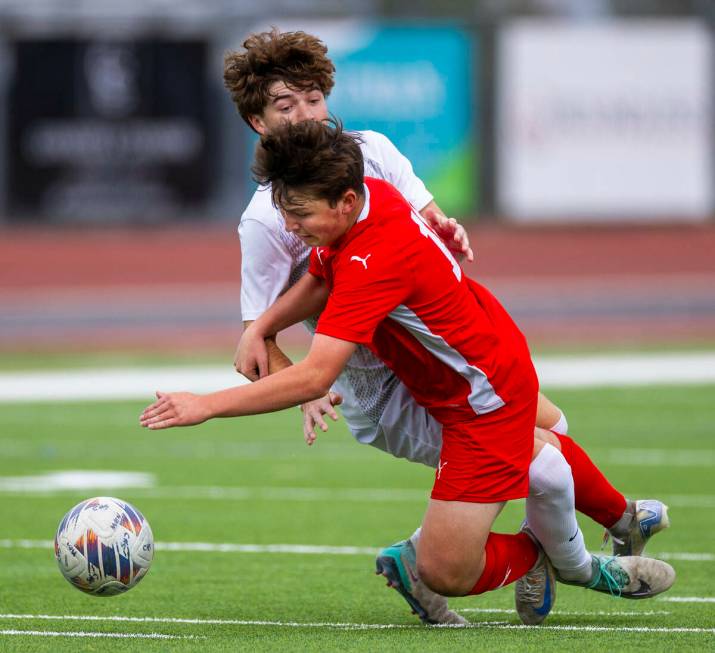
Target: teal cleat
[[398, 563], [630, 577]]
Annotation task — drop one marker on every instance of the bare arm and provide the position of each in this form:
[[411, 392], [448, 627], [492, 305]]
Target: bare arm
[[277, 360], [305, 299], [304, 381], [255, 354]]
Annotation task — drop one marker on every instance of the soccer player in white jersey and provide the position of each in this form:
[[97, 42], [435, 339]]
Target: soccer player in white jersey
[[286, 77]]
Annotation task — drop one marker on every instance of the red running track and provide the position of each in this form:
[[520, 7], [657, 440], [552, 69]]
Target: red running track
[[178, 287]]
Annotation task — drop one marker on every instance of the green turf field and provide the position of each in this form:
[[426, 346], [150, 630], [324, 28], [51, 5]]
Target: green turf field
[[253, 481]]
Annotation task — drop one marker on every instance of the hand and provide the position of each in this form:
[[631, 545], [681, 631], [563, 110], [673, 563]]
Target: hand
[[251, 358], [313, 412], [174, 409], [451, 232]]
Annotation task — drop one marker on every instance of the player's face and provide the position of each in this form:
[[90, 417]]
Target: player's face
[[317, 223], [290, 105]]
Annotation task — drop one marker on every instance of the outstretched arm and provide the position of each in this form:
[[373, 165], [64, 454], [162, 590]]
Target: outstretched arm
[[304, 381]]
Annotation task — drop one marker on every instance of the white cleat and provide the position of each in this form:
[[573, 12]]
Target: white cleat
[[648, 517], [630, 577], [535, 591]]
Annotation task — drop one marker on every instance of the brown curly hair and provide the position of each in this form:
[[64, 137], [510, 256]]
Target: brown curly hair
[[296, 58], [309, 159]]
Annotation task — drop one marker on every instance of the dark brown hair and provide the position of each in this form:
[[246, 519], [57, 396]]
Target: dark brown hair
[[296, 58], [309, 159]]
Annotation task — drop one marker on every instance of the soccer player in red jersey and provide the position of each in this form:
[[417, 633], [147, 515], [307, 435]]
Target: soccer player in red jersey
[[382, 278], [283, 77]]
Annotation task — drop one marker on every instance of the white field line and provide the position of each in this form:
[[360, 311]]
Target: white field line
[[626, 369], [593, 629], [685, 557], [119, 383], [80, 633], [77, 479], [688, 599], [210, 547], [337, 625], [296, 549], [599, 613], [141, 383]]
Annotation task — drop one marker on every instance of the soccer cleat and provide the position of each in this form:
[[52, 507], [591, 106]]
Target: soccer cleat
[[630, 577], [648, 517], [535, 591], [398, 563]]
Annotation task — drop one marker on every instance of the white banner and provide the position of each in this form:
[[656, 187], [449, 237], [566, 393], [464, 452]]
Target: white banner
[[609, 120]]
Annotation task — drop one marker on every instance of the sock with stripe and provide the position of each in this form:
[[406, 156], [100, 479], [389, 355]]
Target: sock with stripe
[[507, 558]]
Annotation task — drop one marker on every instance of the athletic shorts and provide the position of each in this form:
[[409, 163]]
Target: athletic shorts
[[486, 459]]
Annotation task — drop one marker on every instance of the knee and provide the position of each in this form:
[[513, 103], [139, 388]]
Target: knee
[[547, 436], [553, 478], [446, 577]]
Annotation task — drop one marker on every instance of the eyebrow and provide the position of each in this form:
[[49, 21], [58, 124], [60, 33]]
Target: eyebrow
[[290, 94], [301, 213], [278, 98]]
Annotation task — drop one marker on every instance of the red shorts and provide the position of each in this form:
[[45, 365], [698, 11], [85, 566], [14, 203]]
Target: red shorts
[[486, 459]]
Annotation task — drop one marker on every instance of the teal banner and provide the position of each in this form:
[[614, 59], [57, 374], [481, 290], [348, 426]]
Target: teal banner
[[415, 85]]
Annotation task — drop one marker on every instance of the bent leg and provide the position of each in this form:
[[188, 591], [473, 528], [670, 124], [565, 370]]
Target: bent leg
[[551, 514], [595, 496], [457, 554]]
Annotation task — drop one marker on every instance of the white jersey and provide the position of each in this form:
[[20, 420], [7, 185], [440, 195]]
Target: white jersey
[[273, 259]]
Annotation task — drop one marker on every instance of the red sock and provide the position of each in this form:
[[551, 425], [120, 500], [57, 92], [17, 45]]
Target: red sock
[[508, 558], [595, 496]]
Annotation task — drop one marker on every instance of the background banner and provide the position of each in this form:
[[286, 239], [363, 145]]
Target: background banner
[[415, 84], [107, 130], [605, 120]]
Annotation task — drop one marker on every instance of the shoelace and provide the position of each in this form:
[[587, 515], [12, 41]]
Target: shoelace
[[614, 585], [529, 591], [606, 536]]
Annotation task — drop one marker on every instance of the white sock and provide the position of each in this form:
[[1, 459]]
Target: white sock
[[562, 426], [551, 514]]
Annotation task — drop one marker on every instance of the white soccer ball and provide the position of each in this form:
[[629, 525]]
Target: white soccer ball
[[104, 546]]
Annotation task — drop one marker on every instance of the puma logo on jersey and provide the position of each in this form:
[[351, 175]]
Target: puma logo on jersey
[[362, 260]]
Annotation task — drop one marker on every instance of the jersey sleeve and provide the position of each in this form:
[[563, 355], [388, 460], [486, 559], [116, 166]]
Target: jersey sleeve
[[265, 268], [399, 172], [362, 297]]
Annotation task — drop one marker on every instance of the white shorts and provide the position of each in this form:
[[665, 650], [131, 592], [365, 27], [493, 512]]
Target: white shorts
[[405, 429]]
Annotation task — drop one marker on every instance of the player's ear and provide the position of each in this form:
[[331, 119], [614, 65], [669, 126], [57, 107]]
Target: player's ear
[[348, 200], [258, 124]]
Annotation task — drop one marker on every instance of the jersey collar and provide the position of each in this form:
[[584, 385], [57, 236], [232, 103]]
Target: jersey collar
[[360, 224], [366, 208]]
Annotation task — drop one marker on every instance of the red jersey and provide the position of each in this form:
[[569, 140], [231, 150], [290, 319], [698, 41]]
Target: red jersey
[[395, 287]]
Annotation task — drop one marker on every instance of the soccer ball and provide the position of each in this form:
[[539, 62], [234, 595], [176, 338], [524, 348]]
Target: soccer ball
[[104, 546]]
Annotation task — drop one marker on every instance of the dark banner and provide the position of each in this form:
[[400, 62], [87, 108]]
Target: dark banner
[[104, 131]]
